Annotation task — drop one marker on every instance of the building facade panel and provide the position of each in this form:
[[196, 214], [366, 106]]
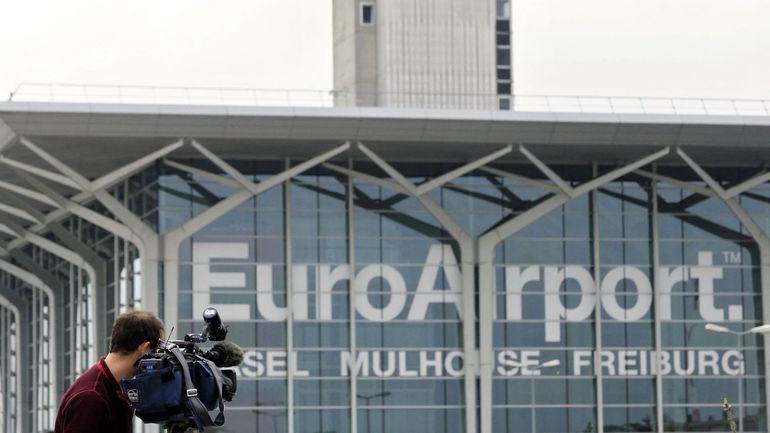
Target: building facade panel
[[582, 285], [359, 292]]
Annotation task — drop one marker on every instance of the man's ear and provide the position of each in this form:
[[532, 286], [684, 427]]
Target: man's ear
[[144, 347]]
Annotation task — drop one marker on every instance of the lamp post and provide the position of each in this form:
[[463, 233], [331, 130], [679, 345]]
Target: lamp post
[[547, 364], [719, 329], [367, 398]]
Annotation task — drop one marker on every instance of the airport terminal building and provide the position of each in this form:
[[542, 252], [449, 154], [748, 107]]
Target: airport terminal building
[[394, 270]]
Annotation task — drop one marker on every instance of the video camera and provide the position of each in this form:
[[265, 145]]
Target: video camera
[[179, 383]]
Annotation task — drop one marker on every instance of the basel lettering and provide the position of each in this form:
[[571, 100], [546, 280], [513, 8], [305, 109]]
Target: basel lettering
[[508, 363]]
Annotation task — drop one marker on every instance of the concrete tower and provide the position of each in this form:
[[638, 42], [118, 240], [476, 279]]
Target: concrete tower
[[407, 53]]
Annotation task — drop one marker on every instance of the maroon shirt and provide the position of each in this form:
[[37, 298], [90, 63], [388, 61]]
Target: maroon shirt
[[94, 403]]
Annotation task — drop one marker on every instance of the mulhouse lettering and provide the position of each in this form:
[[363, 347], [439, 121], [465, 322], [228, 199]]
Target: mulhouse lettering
[[508, 363]]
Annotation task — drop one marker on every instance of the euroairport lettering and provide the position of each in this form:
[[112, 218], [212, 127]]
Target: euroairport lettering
[[508, 363], [544, 279]]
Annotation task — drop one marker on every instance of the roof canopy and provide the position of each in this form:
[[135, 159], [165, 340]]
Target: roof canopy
[[110, 135]]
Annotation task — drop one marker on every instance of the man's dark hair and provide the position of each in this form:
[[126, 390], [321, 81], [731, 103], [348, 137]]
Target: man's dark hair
[[134, 328]]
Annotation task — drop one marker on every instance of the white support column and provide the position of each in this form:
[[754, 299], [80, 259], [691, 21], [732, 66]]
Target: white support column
[[656, 292], [97, 332], [35, 358], [59, 251], [17, 318], [763, 243], [174, 238], [352, 336], [48, 245], [226, 181], [7, 136], [118, 229], [563, 186], [486, 255], [45, 174], [288, 278], [35, 282], [19, 213], [467, 260], [150, 251], [545, 186], [598, 343], [460, 171], [22, 338], [676, 182], [110, 225]]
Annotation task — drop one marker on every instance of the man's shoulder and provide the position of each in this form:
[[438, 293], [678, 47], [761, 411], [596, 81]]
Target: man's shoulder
[[86, 397], [84, 411], [88, 383]]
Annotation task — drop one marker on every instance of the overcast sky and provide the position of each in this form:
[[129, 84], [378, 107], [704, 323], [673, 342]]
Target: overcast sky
[[697, 48]]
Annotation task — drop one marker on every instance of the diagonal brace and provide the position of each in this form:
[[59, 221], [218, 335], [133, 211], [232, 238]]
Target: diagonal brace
[[460, 171], [550, 174]]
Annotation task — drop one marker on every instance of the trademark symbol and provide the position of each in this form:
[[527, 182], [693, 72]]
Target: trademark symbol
[[731, 257]]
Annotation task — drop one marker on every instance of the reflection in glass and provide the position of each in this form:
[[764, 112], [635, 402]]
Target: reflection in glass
[[395, 230]]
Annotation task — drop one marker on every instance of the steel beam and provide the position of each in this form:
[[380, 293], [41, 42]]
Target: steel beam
[[26, 192], [66, 255], [7, 137], [352, 334], [658, 326], [368, 178], [550, 174], [202, 173], [467, 260], [487, 286], [599, 343], [289, 279], [19, 213], [84, 196], [174, 238], [460, 171], [545, 186], [98, 306], [34, 281], [45, 174], [763, 243], [13, 308], [142, 233]]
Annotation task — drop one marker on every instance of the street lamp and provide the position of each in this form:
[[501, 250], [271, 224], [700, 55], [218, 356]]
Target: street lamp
[[547, 364], [367, 398], [719, 329]]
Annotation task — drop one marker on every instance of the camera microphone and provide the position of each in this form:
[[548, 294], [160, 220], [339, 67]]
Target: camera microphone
[[215, 330], [225, 354]]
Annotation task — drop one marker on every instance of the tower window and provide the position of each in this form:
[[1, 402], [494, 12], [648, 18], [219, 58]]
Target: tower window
[[503, 57], [367, 14]]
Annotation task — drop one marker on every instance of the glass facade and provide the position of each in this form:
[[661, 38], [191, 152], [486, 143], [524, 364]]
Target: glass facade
[[616, 284], [348, 296]]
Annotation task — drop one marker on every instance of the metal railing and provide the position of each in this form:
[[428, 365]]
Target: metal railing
[[123, 94], [641, 105], [170, 95]]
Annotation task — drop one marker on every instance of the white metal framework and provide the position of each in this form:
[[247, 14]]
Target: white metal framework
[[158, 252], [10, 367]]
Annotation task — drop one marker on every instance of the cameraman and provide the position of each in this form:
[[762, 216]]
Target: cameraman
[[94, 403]]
